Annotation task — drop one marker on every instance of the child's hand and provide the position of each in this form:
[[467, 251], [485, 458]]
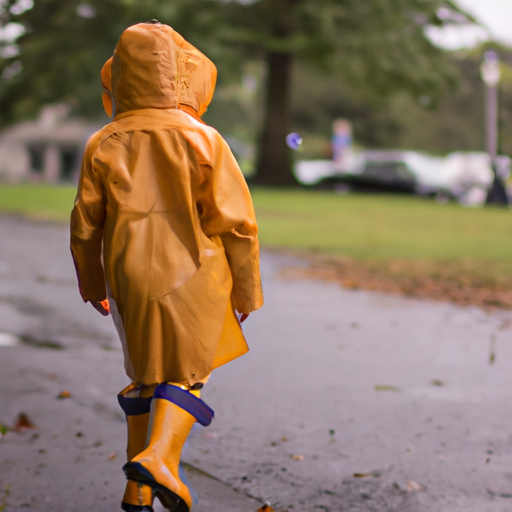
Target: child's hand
[[102, 306]]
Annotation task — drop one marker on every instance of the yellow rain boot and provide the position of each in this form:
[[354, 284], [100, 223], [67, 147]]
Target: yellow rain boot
[[136, 402], [173, 413]]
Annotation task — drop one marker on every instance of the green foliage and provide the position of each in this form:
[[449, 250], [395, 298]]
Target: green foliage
[[454, 122], [401, 120], [66, 42], [369, 61], [379, 45], [60, 55]]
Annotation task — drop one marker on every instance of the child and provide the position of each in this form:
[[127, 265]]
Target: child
[[164, 221]]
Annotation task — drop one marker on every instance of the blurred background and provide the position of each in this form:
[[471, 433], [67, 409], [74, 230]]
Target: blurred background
[[376, 138], [402, 111]]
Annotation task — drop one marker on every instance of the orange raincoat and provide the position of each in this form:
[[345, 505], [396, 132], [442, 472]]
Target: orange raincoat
[[164, 216]]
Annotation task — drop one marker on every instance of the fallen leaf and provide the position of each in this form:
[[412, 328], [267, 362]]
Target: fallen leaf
[[3, 429], [375, 474], [437, 382], [210, 435], [266, 508], [64, 394], [473, 283], [112, 456], [297, 457], [492, 349], [413, 487], [386, 388], [22, 422]]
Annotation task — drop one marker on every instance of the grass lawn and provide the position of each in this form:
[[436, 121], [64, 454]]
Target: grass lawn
[[45, 202], [378, 226], [394, 243], [385, 242]]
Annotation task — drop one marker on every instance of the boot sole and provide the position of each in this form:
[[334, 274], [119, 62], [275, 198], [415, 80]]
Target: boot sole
[[170, 500], [128, 507]]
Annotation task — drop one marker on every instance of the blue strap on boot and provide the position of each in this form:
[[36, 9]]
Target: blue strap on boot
[[134, 406], [187, 401]]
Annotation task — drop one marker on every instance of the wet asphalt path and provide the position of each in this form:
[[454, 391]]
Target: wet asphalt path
[[412, 396]]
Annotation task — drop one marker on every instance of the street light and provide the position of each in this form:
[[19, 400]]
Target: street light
[[490, 71]]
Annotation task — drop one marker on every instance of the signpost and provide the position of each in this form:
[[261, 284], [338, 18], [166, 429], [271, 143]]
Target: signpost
[[490, 71]]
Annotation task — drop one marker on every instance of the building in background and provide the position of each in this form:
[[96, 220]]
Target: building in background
[[46, 150]]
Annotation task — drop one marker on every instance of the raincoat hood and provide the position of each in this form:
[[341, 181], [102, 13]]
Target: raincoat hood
[[155, 67], [197, 77], [106, 83]]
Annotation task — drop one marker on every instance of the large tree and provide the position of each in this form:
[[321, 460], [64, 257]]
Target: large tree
[[379, 45]]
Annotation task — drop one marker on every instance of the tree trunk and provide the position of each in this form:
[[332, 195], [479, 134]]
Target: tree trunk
[[273, 162]]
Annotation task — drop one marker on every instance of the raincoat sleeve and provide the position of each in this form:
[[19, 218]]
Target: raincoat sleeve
[[86, 235], [226, 209]]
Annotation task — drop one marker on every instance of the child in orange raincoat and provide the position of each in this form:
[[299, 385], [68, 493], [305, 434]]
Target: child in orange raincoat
[[163, 225]]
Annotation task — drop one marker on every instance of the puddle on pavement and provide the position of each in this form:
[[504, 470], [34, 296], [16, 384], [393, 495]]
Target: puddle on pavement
[[12, 340]]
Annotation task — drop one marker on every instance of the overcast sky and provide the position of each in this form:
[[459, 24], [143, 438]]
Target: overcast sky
[[495, 14]]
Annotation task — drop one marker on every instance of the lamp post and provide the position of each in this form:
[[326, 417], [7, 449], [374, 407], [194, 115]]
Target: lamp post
[[490, 71]]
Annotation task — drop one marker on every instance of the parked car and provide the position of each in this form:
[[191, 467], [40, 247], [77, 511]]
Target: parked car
[[464, 176], [371, 170]]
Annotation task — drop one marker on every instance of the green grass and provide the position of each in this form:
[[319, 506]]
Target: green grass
[[395, 243], [383, 242], [47, 202], [381, 227], [369, 227]]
